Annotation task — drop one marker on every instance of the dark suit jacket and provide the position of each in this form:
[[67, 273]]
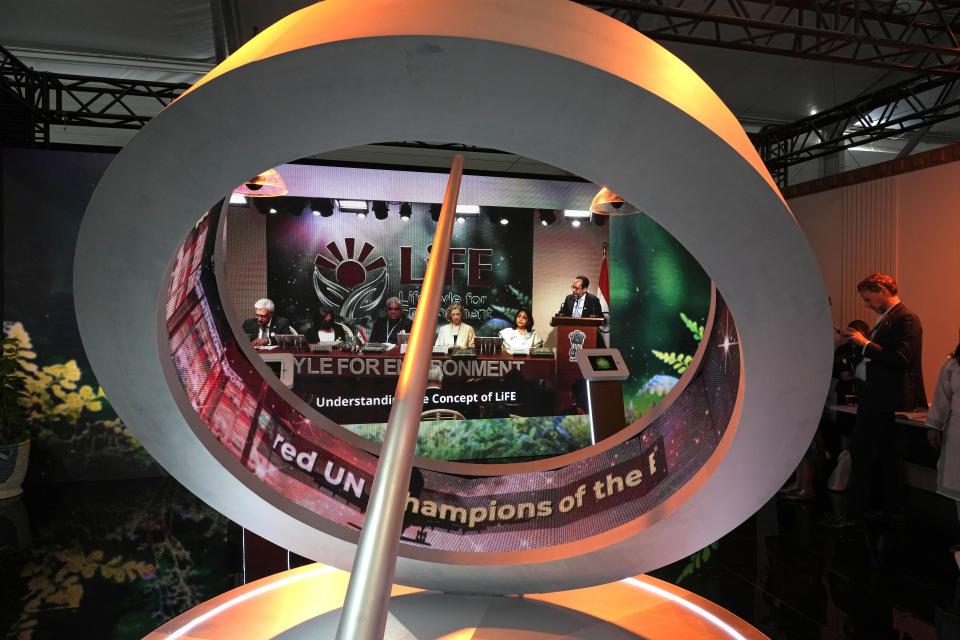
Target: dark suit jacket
[[379, 331], [278, 326], [894, 371], [591, 306]]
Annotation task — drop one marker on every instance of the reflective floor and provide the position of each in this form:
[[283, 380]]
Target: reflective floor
[[116, 560]]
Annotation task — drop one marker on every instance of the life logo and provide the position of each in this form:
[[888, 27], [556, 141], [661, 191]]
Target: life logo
[[345, 282]]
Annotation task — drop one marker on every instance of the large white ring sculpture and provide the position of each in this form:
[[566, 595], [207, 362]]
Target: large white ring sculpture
[[548, 79]]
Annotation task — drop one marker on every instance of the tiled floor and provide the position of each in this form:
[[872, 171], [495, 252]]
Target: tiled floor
[[116, 560]]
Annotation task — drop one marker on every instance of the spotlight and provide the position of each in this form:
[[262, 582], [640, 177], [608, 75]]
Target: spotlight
[[502, 215], [321, 207], [266, 206], [575, 223], [361, 214], [435, 212], [290, 205], [405, 211], [465, 211], [380, 209], [547, 217]]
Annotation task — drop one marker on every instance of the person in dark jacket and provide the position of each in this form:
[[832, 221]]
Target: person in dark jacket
[[264, 328], [580, 303], [892, 371]]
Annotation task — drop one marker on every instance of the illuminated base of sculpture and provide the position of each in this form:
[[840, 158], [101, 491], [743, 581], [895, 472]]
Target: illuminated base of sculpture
[[305, 603]]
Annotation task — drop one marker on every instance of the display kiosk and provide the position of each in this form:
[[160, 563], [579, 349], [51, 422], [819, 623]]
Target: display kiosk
[[604, 370]]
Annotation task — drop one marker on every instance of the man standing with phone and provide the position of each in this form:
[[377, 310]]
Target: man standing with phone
[[891, 369]]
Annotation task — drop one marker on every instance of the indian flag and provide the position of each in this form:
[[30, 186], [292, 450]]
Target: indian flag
[[603, 292]]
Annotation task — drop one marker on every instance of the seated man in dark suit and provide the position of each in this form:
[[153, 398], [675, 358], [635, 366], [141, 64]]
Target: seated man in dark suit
[[265, 327], [580, 304], [386, 329]]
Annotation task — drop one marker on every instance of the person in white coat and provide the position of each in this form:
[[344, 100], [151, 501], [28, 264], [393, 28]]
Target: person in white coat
[[457, 333], [944, 420]]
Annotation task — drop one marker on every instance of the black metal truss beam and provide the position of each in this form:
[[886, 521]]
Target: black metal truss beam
[[58, 99], [890, 112], [919, 36], [30, 99]]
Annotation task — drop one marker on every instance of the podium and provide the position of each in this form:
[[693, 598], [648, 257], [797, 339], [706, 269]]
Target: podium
[[573, 334]]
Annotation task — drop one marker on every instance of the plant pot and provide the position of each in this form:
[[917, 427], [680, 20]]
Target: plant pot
[[13, 468]]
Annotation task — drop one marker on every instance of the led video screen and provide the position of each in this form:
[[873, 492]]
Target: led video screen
[[314, 248], [308, 465]]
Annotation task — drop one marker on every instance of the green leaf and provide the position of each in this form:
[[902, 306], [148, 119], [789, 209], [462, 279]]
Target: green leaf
[[695, 329]]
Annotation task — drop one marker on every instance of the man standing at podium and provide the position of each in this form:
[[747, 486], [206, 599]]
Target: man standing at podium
[[578, 304], [581, 304]]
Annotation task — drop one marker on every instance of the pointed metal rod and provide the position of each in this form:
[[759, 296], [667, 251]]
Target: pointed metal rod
[[364, 613]]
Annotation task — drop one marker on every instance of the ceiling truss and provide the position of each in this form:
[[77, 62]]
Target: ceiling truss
[[911, 35], [58, 99], [916, 35], [893, 111]]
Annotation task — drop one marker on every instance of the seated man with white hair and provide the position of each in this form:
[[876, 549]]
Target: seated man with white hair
[[265, 327]]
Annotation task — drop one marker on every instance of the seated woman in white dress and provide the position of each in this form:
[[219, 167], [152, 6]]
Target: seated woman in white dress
[[522, 335], [457, 333]]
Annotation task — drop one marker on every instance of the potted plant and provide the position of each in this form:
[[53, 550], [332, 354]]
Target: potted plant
[[14, 429]]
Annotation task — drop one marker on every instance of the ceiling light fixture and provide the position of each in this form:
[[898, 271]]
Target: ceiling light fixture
[[289, 205], [405, 211], [321, 207], [266, 206], [607, 203], [380, 209], [352, 205], [268, 183]]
